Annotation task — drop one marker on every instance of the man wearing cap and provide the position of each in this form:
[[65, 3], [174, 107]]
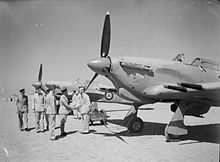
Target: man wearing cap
[[39, 109], [22, 110], [51, 111], [64, 110]]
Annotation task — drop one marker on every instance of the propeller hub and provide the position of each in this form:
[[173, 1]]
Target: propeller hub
[[97, 65], [37, 84]]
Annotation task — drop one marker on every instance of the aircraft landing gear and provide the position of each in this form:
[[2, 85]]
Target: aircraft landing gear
[[172, 138], [176, 128], [133, 123]]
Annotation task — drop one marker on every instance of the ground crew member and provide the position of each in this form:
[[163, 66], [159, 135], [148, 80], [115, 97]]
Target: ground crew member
[[64, 110], [84, 102], [50, 105], [22, 110], [39, 109]]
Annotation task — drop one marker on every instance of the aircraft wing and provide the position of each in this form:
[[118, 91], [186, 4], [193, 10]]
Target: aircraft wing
[[96, 93], [202, 92]]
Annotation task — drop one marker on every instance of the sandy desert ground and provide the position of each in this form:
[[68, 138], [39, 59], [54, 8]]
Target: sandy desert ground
[[112, 142]]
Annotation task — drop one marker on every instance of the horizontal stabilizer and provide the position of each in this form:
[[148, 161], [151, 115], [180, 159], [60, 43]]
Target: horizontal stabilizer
[[176, 88], [192, 86]]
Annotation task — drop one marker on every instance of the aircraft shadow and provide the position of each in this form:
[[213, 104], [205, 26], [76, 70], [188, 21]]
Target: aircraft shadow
[[200, 133], [204, 133]]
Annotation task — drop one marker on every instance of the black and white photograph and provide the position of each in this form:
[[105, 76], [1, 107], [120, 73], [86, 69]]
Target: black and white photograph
[[109, 80]]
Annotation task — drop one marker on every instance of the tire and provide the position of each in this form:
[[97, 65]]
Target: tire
[[135, 125], [172, 138]]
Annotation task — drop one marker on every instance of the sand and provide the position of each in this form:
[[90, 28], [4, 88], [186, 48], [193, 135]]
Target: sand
[[112, 142]]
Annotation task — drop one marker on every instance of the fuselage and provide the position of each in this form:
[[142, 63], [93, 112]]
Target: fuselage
[[138, 78]]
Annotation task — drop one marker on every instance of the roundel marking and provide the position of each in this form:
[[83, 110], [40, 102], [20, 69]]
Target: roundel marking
[[109, 96]]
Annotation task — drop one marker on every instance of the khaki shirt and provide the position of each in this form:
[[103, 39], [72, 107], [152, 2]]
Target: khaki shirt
[[50, 103], [84, 100], [63, 109], [38, 103], [22, 103], [75, 100]]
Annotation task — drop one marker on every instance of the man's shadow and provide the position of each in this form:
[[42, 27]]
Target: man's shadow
[[68, 133], [72, 132], [30, 129]]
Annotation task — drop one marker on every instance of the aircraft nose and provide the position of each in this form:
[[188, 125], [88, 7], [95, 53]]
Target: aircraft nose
[[97, 65]]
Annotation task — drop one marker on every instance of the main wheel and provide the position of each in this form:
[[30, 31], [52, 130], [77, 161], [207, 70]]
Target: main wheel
[[171, 137], [135, 125]]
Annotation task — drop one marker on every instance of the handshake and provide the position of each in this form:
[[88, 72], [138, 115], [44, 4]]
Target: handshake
[[75, 106]]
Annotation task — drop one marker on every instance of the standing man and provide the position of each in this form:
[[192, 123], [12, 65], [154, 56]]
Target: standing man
[[84, 102], [39, 109], [64, 110], [51, 111], [22, 110]]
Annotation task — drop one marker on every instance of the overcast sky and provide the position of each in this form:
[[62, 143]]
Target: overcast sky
[[64, 35]]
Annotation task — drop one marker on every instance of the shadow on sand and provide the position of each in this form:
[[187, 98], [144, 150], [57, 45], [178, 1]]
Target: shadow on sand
[[30, 129], [68, 133], [200, 133]]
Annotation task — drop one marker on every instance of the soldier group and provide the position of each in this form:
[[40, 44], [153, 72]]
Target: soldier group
[[46, 106]]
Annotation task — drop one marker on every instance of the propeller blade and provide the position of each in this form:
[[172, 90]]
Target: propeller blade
[[93, 78], [106, 34], [40, 74]]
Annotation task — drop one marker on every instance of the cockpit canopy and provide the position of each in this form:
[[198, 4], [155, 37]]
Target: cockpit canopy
[[205, 63], [178, 57]]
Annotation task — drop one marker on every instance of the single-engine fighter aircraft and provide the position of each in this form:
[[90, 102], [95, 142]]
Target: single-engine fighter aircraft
[[97, 93], [192, 88]]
